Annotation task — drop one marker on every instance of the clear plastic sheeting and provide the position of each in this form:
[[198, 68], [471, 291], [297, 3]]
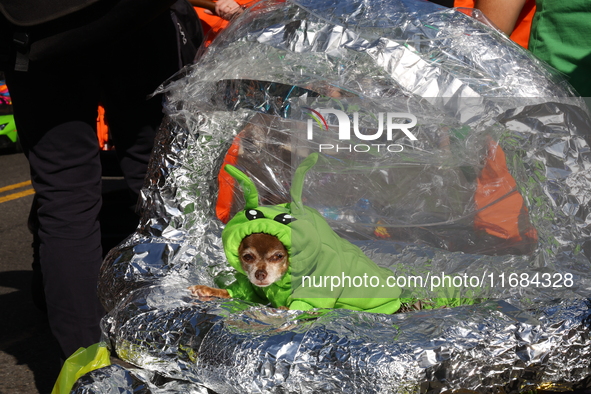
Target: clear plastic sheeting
[[465, 159]]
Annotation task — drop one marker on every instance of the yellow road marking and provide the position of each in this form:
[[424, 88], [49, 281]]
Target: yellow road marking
[[15, 186], [14, 196]]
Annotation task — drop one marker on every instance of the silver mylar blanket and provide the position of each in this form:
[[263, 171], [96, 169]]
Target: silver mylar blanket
[[470, 88]]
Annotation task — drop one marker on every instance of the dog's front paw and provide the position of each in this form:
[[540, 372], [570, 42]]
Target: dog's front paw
[[206, 293]]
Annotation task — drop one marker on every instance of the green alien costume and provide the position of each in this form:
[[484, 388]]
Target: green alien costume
[[318, 256]]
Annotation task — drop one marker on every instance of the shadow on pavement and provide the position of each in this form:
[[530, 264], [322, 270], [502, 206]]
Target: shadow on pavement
[[25, 333]]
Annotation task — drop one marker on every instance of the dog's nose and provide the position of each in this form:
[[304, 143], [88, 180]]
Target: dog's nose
[[260, 274]]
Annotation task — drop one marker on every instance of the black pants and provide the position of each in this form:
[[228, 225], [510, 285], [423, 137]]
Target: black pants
[[55, 107]]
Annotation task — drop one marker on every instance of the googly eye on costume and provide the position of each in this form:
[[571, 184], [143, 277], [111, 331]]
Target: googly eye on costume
[[284, 218], [252, 214]]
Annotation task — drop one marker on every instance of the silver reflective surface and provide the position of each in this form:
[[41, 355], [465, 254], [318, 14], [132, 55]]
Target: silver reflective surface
[[118, 379], [472, 91]]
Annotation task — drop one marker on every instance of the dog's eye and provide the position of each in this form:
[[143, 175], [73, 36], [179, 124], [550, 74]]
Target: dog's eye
[[284, 218], [248, 258], [253, 214], [277, 257]]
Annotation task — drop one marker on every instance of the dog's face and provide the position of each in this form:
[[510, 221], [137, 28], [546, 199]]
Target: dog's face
[[264, 259]]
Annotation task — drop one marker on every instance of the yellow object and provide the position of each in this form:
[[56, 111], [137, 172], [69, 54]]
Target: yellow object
[[81, 362], [381, 231]]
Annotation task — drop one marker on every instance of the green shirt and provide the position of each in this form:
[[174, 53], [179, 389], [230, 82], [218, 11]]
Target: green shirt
[[561, 36]]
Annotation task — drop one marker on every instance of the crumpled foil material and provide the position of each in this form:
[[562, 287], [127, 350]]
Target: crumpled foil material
[[468, 85], [231, 347], [118, 379]]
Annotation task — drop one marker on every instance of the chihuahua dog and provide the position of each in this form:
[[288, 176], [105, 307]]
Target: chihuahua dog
[[264, 259]]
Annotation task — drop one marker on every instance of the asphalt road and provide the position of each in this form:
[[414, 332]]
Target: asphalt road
[[28, 360]]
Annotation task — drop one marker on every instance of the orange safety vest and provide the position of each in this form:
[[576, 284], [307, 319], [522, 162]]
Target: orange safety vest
[[523, 25], [226, 183], [102, 130], [501, 210], [213, 24]]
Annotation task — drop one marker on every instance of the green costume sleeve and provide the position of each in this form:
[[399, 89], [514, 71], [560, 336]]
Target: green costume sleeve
[[242, 289], [300, 305]]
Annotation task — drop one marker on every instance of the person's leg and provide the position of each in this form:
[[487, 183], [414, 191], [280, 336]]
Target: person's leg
[[37, 290], [134, 68], [55, 110]]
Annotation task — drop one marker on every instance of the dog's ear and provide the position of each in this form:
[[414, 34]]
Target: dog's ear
[[251, 195]]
